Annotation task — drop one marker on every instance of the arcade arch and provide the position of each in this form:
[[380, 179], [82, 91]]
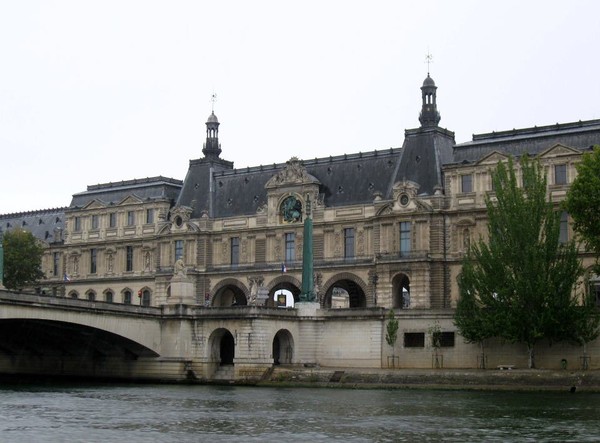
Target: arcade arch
[[348, 284], [401, 291], [230, 292]]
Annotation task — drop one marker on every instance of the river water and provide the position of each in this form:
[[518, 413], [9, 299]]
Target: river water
[[167, 413]]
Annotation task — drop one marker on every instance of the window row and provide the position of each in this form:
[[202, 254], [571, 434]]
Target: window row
[[110, 220], [349, 244], [560, 178], [108, 296]]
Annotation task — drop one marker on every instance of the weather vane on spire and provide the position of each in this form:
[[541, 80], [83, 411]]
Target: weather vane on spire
[[213, 99], [428, 60]]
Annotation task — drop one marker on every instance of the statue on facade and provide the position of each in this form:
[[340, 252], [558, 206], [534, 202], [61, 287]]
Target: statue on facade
[[291, 210], [180, 269]]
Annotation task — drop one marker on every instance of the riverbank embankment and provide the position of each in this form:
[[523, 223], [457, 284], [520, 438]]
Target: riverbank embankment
[[475, 379]]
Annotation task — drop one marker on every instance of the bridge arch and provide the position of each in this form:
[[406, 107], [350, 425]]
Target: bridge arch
[[221, 344], [283, 347]]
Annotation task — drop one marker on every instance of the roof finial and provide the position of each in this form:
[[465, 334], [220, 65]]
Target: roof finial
[[428, 60], [213, 99]]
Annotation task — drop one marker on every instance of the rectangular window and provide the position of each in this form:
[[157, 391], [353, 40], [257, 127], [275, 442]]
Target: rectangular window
[[130, 218], [149, 215], [414, 339], [404, 238], [560, 174], [466, 183], [129, 258], [178, 249], [95, 221], [112, 219], [235, 250], [290, 247], [93, 260], [77, 227], [348, 242], [443, 339], [564, 227], [56, 263]]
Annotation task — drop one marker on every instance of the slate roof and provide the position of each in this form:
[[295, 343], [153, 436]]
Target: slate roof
[[424, 152], [45, 224], [345, 180], [153, 188], [580, 135]]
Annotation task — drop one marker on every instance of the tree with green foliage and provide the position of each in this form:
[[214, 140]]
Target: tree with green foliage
[[519, 283], [583, 201], [22, 259], [391, 333], [391, 329], [470, 319]]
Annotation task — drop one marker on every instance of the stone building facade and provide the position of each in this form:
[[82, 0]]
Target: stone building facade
[[390, 227]]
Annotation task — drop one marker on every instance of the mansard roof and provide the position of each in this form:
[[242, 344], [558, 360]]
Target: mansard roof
[[579, 135], [343, 180], [153, 188], [45, 224]]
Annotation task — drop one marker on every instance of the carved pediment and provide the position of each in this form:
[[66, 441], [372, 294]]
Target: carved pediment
[[130, 200], [493, 158], [180, 217], [558, 150], [294, 173], [95, 204]]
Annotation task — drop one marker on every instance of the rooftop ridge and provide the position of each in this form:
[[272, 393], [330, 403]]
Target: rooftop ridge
[[310, 162], [135, 181], [536, 130], [34, 212]]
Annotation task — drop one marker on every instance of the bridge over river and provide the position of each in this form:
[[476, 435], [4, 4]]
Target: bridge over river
[[68, 337], [59, 336]]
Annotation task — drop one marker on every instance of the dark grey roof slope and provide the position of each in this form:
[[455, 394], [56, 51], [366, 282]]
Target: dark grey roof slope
[[424, 152], [580, 135], [198, 187], [46, 224], [154, 188], [345, 180]]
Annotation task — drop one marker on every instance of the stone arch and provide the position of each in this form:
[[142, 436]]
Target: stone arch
[[356, 288], [284, 282], [401, 291], [229, 292], [221, 345], [283, 347]]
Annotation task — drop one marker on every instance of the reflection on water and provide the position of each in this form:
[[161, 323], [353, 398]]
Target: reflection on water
[[243, 414]]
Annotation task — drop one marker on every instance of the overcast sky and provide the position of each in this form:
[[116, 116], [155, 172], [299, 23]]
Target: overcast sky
[[100, 91]]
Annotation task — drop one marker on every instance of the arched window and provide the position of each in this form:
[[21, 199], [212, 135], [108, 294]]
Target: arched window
[[127, 297], [108, 296], [145, 297], [91, 296]]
